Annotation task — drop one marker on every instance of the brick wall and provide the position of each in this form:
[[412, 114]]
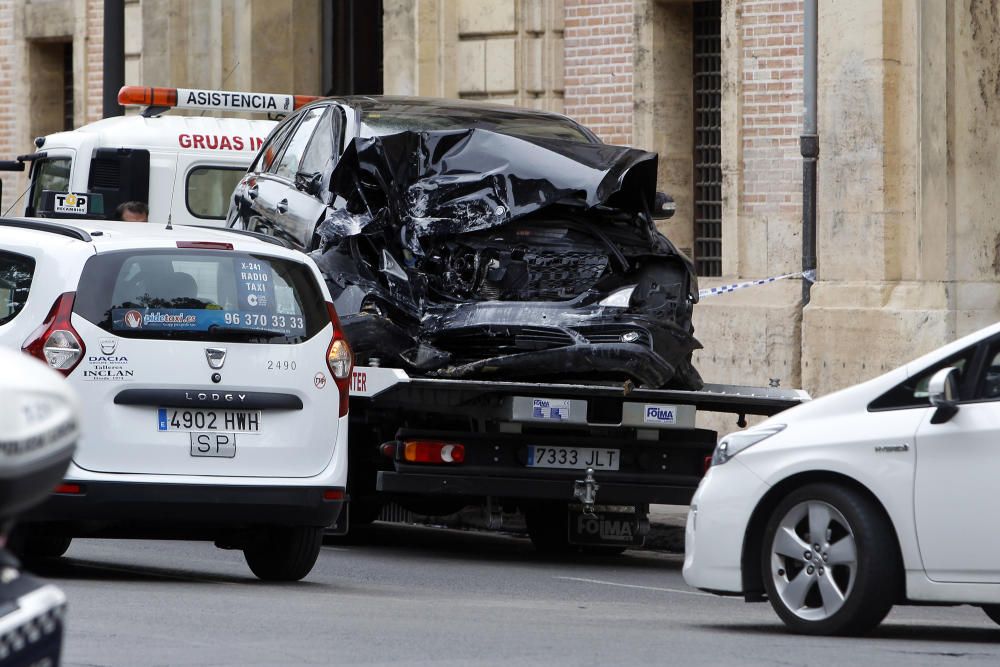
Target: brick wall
[[94, 62], [8, 112], [771, 35], [599, 67]]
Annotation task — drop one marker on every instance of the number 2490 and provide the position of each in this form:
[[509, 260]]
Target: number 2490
[[281, 365]]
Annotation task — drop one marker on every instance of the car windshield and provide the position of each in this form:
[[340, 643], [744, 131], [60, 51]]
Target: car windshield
[[201, 295], [400, 118]]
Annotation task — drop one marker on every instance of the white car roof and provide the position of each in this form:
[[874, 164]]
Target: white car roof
[[109, 235], [164, 132]]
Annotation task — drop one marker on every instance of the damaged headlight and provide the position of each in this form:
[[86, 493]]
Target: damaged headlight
[[734, 443], [620, 298]]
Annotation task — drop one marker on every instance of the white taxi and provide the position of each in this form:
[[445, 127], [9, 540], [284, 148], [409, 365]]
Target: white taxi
[[213, 377]]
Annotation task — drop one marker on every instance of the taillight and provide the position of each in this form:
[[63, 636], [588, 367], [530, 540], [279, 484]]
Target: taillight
[[432, 451], [339, 360], [56, 342]]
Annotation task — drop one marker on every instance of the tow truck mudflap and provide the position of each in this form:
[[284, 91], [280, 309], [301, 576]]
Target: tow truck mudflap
[[607, 525], [473, 486]]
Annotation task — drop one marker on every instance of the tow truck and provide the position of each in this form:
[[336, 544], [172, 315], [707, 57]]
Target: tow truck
[[184, 167], [580, 462]]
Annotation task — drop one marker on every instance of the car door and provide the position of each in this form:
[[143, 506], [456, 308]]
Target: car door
[[255, 195], [289, 203], [957, 478]]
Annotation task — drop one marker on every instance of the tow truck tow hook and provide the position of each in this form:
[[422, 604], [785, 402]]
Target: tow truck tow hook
[[585, 490]]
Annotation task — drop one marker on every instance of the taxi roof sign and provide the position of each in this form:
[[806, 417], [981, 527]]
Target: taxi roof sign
[[215, 100]]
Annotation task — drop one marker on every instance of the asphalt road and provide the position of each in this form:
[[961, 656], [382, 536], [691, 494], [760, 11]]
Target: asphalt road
[[410, 595]]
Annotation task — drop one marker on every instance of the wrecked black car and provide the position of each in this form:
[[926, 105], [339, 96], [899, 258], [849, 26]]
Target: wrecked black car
[[474, 241]]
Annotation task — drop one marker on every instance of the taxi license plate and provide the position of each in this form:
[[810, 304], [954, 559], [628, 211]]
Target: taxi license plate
[[194, 421], [574, 458]]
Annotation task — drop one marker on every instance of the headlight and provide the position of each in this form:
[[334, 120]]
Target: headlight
[[619, 298], [734, 443]]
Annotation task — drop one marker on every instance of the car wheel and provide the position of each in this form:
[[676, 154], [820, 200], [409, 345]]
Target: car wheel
[[33, 547], [993, 611], [830, 562], [284, 554], [548, 527]]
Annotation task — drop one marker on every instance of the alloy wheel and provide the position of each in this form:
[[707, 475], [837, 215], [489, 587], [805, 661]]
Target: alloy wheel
[[814, 560]]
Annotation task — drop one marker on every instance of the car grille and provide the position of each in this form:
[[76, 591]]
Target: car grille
[[484, 342], [561, 275]]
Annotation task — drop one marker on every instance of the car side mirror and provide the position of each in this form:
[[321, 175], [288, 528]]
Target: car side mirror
[[942, 390], [308, 182], [663, 206]]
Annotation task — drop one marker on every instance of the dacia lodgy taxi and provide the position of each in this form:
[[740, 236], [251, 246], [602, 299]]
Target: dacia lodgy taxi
[[213, 377]]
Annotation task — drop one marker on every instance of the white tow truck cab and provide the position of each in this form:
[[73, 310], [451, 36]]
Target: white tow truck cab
[[182, 167]]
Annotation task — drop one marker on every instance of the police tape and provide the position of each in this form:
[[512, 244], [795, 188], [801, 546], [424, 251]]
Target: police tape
[[725, 289]]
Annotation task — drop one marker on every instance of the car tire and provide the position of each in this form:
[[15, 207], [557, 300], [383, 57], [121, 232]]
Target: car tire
[[993, 611], [284, 554], [33, 547], [548, 527], [852, 583]]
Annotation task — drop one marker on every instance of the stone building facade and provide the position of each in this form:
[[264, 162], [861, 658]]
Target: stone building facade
[[909, 99], [50, 73]]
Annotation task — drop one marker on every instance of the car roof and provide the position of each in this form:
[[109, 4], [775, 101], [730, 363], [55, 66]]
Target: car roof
[[428, 105], [474, 110], [109, 235], [162, 132]]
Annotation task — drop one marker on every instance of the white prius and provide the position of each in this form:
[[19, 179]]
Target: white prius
[[213, 378], [876, 495]]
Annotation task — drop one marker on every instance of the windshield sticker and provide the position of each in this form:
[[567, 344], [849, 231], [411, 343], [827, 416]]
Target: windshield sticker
[[186, 319], [255, 285]]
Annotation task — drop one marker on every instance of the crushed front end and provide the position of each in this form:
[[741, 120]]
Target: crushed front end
[[470, 253]]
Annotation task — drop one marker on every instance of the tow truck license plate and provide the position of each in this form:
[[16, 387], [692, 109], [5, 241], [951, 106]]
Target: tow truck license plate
[[231, 421], [575, 458]]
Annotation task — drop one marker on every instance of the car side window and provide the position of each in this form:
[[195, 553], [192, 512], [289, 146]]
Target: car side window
[[272, 147], [912, 393], [322, 147], [288, 164], [16, 272], [989, 384]]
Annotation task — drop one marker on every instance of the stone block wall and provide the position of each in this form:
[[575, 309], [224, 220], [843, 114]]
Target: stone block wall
[[31, 32]]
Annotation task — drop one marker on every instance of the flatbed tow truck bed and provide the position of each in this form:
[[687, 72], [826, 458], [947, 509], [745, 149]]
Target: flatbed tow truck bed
[[580, 461]]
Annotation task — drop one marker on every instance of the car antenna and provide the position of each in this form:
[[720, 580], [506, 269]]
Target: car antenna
[[169, 226]]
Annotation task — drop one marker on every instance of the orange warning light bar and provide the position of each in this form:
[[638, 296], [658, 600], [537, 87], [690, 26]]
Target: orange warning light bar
[[218, 100]]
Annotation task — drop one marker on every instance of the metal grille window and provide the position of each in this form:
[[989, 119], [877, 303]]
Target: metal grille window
[[68, 86], [708, 138]]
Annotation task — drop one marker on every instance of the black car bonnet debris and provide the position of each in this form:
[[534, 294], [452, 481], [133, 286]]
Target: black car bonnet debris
[[473, 253]]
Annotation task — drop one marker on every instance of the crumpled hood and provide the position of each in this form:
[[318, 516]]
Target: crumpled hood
[[434, 184]]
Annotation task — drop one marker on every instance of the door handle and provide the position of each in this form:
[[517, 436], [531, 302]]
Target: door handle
[[252, 192], [282, 206]]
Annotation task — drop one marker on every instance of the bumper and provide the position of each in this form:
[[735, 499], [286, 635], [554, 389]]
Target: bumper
[[610, 492], [716, 527], [192, 504]]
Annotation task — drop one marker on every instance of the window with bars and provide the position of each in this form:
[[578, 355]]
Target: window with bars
[[67, 86], [707, 70]]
